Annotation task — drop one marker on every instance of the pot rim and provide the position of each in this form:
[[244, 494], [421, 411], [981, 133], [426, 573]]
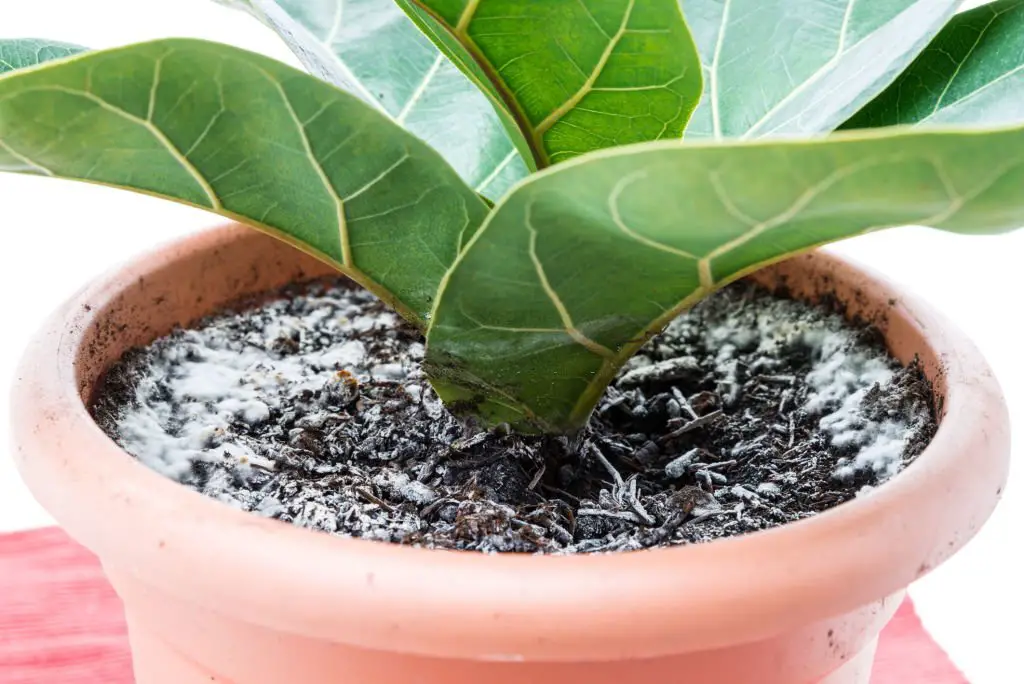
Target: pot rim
[[505, 607]]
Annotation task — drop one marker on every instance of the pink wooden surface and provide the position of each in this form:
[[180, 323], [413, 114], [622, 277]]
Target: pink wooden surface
[[61, 623]]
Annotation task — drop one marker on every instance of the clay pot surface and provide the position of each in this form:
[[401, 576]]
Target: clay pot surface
[[214, 594]]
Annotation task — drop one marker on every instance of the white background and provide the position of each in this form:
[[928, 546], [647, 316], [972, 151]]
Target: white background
[[57, 235]]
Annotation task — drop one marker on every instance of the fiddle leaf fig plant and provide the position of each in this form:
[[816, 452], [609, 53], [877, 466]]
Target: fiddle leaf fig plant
[[510, 175]]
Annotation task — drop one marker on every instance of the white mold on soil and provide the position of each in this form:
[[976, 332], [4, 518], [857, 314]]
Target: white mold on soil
[[748, 412]]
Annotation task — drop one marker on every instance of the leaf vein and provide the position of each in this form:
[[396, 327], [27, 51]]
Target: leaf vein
[[155, 131], [420, 89], [346, 247], [716, 116], [497, 170], [378, 178], [813, 78], [975, 93], [545, 284], [335, 29], [24, 159], [586, 9], [613, 207], [467, 16], [798, 205], [960, 64], [574, 99]]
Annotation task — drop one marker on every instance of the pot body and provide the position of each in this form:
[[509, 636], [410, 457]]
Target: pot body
[[174, 642], [179, 643], [213, 594]]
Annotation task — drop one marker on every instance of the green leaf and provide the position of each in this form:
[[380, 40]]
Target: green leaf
[[792, 67], [25, 52], [371, 49], [972, 73], [577, 75], [582, 264], [249, 138]]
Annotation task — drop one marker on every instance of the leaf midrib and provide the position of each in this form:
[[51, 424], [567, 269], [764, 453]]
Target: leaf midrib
[[153, 130], [841, 49], [343, 236], [512, 105], [960, 65], [939, 104], [824, 69], [574, 99]]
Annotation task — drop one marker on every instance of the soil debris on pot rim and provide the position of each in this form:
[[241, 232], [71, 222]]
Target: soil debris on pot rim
[[748, 412]]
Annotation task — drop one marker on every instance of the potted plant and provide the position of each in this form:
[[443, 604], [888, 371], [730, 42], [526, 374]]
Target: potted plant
[[509, 177]]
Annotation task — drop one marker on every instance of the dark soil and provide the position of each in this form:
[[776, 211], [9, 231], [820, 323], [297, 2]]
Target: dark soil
[[750, 411]]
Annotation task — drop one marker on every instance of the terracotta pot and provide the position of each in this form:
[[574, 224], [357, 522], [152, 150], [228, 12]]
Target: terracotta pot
[[213, 594]]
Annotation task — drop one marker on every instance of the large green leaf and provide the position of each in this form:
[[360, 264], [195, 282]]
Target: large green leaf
[[579, 266], [792, 67], [578, 75], [373, 50], [247, 137], [973, 72], [25, 52]]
